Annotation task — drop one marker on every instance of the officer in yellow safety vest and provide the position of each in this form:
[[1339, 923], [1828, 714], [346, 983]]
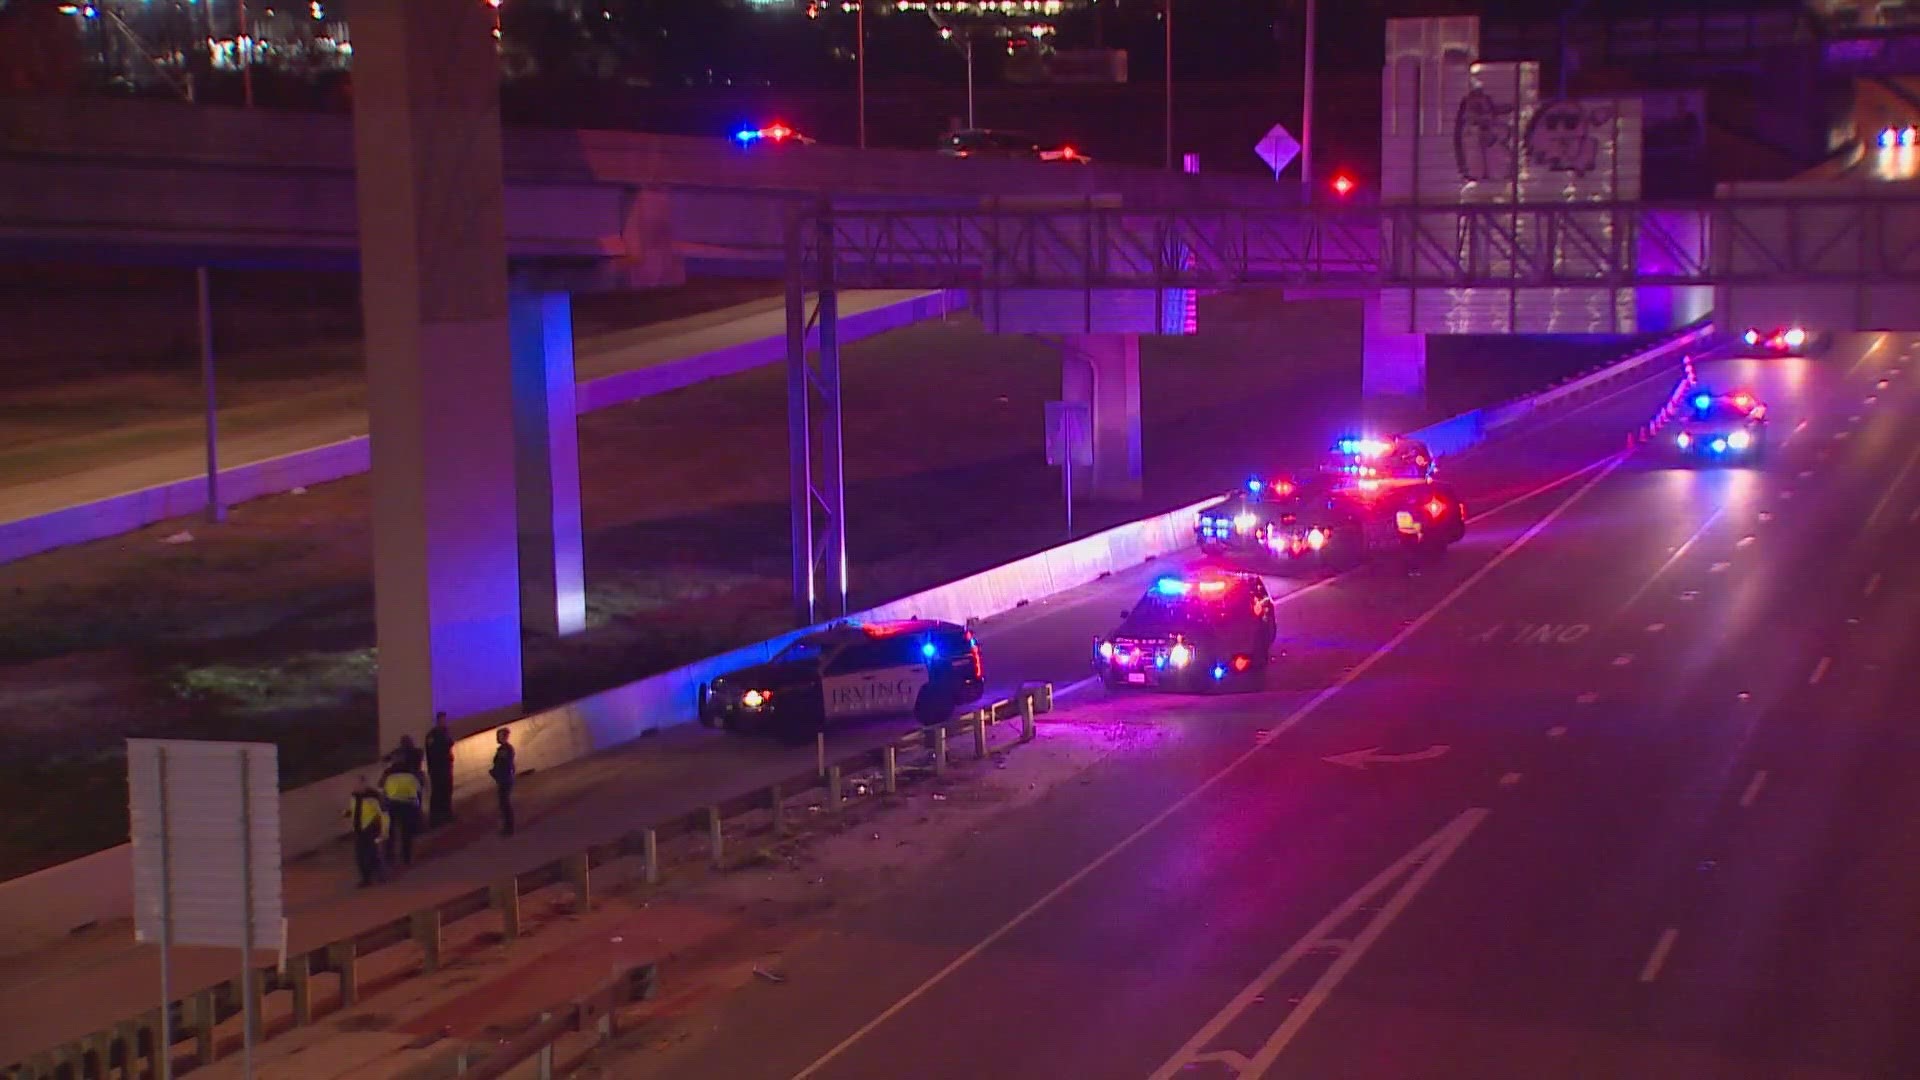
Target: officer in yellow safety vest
[[367, 813], [402, 790]]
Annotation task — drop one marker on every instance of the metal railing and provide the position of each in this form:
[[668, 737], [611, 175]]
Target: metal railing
[[129, 1048]]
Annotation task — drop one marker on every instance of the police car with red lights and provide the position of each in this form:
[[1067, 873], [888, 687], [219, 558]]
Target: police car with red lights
[[1197, 632], [1370, 494], [1778, 341], [917, 667], [1722, 427]]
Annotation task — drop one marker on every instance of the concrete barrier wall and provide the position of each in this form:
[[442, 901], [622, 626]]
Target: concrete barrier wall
[[41, 907], [242, 483]]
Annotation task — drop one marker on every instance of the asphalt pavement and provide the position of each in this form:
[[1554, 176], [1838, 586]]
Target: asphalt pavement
[[1619, 789], [1333, 633]]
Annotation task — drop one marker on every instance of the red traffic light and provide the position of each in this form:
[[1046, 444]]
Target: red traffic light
[[1343, 185]]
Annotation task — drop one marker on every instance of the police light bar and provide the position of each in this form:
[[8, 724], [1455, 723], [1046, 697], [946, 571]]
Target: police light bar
[[775, 133], [1167, 586], [1703, 402]]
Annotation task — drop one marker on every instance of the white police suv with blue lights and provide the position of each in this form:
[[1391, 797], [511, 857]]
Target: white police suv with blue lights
[[918, 667], [1722, 427]]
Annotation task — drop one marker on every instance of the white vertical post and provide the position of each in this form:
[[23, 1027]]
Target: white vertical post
[[1306, 113], [860, 65], [203, 288], [248, 1018], [164, 1048]]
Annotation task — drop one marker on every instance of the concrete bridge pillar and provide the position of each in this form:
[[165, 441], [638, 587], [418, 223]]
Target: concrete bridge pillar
[[553, 594], [433, 272], [1102, 371], [1393, 364]]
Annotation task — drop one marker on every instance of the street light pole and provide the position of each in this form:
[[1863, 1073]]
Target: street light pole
[[969, 46], [1306, 112], [1168, 19], [860, 65]]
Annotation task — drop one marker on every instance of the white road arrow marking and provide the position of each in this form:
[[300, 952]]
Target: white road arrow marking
[[1360, 759]]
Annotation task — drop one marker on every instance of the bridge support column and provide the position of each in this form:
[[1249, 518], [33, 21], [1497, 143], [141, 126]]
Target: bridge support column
[[1393, 363], [1102, 371], [439, 368], [553, 594]]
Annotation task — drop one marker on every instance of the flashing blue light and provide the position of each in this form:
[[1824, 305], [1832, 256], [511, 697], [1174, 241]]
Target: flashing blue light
[[746, 135], [1887, 138], [1254, 485], [1167, 586], [1160, 661], [1703, 402], [1219, 672], [1719, 446], [1349, 446], [928, 650]]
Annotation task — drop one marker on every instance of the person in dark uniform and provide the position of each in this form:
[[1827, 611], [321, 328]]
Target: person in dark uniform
[[502, 773], [439, 753], [402, 791], [368, 816]]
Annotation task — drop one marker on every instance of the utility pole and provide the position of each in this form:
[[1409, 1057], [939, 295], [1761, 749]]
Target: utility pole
[[1168, 19], [860, 65], [1306, 112]]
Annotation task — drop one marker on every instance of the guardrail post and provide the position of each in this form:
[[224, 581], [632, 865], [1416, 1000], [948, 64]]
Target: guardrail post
[[716, 838], [940, 750], [545, 1062], [580, 875], [149, 1023], [506, 898], [206, 1049], [344, 957], [1026, 718], [126, 1036], [300, 981], [650, 856], [979, 735], [777, 802], [833, 789], [95, 1054], [890, 765], [426, 934]]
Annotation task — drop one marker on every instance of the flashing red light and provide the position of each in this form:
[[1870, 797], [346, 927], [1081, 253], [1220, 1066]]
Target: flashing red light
[[1283, 487], [779, 132], [1743, 400], [1435, 508], [1343, 185], [1241, 663], [1068, 152]]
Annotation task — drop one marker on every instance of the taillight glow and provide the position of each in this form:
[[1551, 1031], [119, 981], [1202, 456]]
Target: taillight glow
[[1242, 663], [1316, 539], [1435, 508]]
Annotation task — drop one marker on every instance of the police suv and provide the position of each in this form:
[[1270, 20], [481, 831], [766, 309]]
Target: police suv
[[916, 667], [1191, 633], [1370, 494]]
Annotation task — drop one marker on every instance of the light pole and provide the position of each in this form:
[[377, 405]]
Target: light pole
[[968, 45], [1167, 17], [1306, 113], [860, 65]]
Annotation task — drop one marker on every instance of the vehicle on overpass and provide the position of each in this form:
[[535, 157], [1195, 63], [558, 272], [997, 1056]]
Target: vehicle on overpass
[[1370, 495], [1722, 428], [1778, 341], [982, 143], [771, 137], [918, 667], [1191, 632]]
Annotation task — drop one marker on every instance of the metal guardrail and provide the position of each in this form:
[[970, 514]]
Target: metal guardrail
[[128, 1049]]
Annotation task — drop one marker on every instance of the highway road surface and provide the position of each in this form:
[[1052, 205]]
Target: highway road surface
[[1621, 789], [1479, 711]]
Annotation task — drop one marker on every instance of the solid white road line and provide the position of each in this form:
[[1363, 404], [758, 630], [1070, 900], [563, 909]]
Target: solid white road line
[[1894, 488], [1873, 584], [1820, 670], [1605, 468], [1753, 789], [1418, 867], [1658, 960], [1678, 554]]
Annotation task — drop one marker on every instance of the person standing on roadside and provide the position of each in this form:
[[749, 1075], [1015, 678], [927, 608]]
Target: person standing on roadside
[[439, 750], [402, 791], [368, 816], [406, 758], [502, 773]]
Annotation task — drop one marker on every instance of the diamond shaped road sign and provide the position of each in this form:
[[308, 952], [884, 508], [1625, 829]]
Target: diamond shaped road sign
[[1278, 148]]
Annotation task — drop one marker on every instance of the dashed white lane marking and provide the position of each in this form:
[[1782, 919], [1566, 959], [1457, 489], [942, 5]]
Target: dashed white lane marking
[[1899, 479], [1556, 731], [1658, 959], [1753, 789], [1873, 585], [1600, 470], [1587, 698], [1745, 540], [1510, 779], [1839, 435], [1655, 627], [1915, 516], [1820, 670], [1623, 660], [1854, 419], [1718, 568], [1799, 427], [1804, 473]]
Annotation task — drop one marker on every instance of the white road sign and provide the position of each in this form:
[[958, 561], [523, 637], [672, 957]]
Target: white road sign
[[205, 822], [1278, 148], [1069, 433]]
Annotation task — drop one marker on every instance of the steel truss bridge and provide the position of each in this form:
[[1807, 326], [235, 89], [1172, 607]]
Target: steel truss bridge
[[1869, 240], [1771, 241]]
